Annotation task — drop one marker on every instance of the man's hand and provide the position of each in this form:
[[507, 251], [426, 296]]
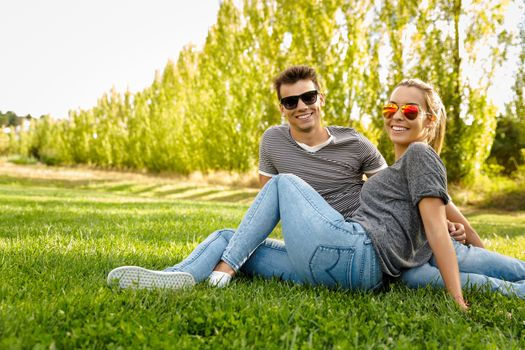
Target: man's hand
[[263, 179], [457, 231]]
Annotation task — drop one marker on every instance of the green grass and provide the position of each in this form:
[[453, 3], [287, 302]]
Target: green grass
[[59, 239]]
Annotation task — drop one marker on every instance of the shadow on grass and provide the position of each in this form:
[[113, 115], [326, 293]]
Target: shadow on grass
[[200, 195], [145, 189], [120, 188], [175, 191], [26, 181], [130, 188], [235, 197]]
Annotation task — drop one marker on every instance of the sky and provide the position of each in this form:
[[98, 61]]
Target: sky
[[61, 55], [57, 55]]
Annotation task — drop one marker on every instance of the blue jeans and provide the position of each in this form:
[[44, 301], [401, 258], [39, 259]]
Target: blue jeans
[[478, 267], [320, 247], [269, 260]]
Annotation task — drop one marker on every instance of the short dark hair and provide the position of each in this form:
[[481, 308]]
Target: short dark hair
[[292, 75]]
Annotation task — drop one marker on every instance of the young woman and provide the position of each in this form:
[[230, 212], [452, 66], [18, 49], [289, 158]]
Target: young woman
[[400, 228]]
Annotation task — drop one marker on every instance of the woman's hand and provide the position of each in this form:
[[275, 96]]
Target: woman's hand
[[457, 231], [455, 215], [463, 305]]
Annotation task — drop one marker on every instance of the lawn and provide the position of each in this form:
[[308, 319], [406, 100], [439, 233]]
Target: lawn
[[60, 237]]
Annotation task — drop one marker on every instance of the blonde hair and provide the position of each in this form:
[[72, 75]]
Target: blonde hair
[[435, 107]]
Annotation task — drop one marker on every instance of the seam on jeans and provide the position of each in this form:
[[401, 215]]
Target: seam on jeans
[[237, 266], [362, 264], [249, 216], [316, 208], [369, 251], [257, 203], [276, 248], [201, 251]]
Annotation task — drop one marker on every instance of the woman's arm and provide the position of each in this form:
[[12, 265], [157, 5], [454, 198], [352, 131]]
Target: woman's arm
[[454, 215], [433, 214]]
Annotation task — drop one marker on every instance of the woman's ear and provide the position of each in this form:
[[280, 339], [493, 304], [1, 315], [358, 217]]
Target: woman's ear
[[430, 122]]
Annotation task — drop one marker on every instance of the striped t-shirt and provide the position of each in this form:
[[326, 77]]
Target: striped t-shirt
[[335, 171]]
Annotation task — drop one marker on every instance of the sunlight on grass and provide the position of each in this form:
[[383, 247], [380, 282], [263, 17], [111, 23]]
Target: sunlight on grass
[[58, 242], [504, 232]]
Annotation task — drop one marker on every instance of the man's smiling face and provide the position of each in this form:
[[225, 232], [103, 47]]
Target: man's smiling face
[[304, 118]]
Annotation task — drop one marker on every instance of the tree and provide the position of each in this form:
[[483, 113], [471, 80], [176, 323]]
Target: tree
[[508, 149], [208, 110]]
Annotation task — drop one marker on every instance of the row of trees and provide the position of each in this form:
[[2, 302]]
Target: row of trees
[[10, 119], [207, 110]]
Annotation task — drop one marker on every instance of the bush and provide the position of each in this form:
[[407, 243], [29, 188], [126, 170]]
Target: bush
[[491, 190]]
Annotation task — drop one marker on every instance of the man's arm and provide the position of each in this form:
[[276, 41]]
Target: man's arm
[[454, 215], [263, 179], [372, 173]]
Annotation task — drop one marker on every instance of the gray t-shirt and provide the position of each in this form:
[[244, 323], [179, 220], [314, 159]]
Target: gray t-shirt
[[335, 171], [389, 207]]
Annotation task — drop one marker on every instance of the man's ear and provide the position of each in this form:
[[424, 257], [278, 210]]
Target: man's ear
[[321, 98]]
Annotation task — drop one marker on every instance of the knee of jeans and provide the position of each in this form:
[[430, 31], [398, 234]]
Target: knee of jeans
[[288, 176], [287, 179], [225, 234]]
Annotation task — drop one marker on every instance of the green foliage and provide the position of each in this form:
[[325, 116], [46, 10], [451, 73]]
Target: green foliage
[[12, 119], [4, 143], [207, 110], [58, 242], [508, 149], [48, 141], [492, 190], [22, 160]]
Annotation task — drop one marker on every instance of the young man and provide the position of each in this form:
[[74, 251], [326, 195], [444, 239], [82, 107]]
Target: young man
[[331, 159]]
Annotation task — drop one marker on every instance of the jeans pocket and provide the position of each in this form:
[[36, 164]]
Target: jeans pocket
[[332, 266]]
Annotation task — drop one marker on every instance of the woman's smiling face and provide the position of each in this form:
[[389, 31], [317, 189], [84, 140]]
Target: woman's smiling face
[[401, 130]]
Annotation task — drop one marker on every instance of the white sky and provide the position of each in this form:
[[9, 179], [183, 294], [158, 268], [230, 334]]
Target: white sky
[[57, 55]]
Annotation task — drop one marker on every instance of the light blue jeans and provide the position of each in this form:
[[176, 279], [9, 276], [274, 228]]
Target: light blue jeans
[[478, 267], [319, 248], [269, 260]]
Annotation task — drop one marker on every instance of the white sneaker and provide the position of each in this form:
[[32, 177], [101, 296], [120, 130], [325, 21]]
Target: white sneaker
[[136, 277], [219, 279]]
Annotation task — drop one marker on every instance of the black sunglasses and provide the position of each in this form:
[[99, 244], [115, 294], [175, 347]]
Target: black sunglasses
[[309, 98]]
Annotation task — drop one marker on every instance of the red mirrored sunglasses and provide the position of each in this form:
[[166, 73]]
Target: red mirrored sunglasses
[[409, 110]]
